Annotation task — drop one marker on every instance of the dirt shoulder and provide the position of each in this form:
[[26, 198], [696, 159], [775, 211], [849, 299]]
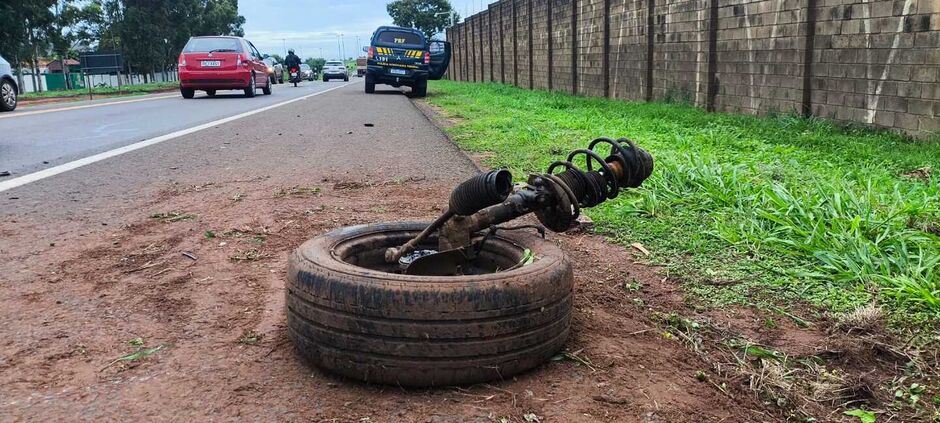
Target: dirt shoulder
[[219, 319]]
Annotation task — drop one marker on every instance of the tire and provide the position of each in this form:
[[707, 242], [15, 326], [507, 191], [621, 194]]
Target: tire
[[420, 89], [210, 93], [346, 78], [420, 331], [325, 79], [250, 90], [370, 85], [8, 96], [187, 92], [267, 88]]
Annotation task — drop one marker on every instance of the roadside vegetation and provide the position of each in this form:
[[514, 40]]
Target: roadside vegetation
[[110, 91], [768, 212]]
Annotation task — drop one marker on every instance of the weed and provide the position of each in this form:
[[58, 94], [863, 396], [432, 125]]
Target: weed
[[139, 353], [173, 216], [296, 191], [249, 255], [865, 319], [864, 416], [250, 337]]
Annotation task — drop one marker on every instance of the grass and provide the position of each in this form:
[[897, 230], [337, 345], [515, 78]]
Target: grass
[[762, 211], [125, 90]]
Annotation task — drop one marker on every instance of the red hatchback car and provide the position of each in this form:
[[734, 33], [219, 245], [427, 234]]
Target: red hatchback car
[[222, 63]]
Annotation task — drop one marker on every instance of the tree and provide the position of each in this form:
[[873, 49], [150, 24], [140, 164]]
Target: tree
[[427, 16], [315, 64]]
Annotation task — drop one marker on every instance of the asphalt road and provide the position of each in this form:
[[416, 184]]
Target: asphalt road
[[35, 138], [315, 131]]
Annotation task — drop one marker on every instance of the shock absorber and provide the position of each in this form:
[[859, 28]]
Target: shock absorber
[[556, 198]]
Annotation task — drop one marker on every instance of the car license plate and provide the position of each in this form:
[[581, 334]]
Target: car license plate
[[211, 63], [394, 71]]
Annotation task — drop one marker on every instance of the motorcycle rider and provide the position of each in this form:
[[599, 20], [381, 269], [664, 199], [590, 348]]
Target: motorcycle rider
[[291, 61]]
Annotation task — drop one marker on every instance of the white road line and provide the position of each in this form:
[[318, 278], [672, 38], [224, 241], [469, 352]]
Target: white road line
[[85, 106], [52, 171]]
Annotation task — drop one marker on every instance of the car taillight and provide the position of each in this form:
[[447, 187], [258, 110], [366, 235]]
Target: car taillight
[[371, 52], [240, 62], [182, 62], [427, 58]]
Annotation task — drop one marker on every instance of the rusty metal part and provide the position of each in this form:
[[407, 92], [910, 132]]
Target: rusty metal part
[[556, 199], [393, 254]]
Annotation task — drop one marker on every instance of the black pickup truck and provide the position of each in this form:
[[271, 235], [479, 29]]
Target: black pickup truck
[[403, 56]]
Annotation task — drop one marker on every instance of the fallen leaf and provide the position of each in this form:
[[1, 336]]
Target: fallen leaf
[[641, 248]]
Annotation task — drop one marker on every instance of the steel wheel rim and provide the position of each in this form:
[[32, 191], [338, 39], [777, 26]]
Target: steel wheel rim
[[9, 96]]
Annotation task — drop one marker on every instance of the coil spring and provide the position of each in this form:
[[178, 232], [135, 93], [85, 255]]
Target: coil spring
[[590, 188]]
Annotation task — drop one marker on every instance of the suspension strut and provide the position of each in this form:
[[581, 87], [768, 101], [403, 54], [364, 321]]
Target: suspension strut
[[556, 199]]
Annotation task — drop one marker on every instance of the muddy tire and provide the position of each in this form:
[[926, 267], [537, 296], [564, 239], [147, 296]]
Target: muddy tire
[[420, 331]]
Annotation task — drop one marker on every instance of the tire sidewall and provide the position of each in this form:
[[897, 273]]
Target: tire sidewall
[[3, 103]]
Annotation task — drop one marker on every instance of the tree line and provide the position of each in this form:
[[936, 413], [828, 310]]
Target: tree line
[[149, 33]]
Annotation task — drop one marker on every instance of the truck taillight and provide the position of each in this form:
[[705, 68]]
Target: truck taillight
[[371, 52], [427, 58]]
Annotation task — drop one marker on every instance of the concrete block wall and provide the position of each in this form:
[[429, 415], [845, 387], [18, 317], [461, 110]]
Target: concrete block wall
[[541, 73], [877, 63], [873, 62], [591, 18], [505, 41], [680, 36], [562, 38], [760, 53], [524, 53], [628, 49]]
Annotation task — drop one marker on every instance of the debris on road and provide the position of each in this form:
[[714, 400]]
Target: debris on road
[[189, 255], [484, 275]]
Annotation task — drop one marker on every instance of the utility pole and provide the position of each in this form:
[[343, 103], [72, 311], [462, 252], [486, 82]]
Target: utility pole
[[284, 42], [339, 45]]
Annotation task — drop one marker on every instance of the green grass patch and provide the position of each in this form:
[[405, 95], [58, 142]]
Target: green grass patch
[[743, 209], [125, 90]]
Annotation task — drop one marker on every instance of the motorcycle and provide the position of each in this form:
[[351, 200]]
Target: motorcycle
[[295, 76]]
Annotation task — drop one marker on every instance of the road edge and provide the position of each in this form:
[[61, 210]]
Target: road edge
[[441, 123]]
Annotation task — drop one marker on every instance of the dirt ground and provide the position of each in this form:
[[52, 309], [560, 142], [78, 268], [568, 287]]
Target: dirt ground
[[200, 272]]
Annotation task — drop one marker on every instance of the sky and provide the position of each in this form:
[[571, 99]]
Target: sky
[[313, 27]]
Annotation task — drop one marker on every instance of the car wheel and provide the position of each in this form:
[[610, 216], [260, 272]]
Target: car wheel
[[348, 315], [210, 93], [346, 79], [8, 97], [250, 91], [188, 92], [370, 85], [420, 89], [325, 79], [267, 89]]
